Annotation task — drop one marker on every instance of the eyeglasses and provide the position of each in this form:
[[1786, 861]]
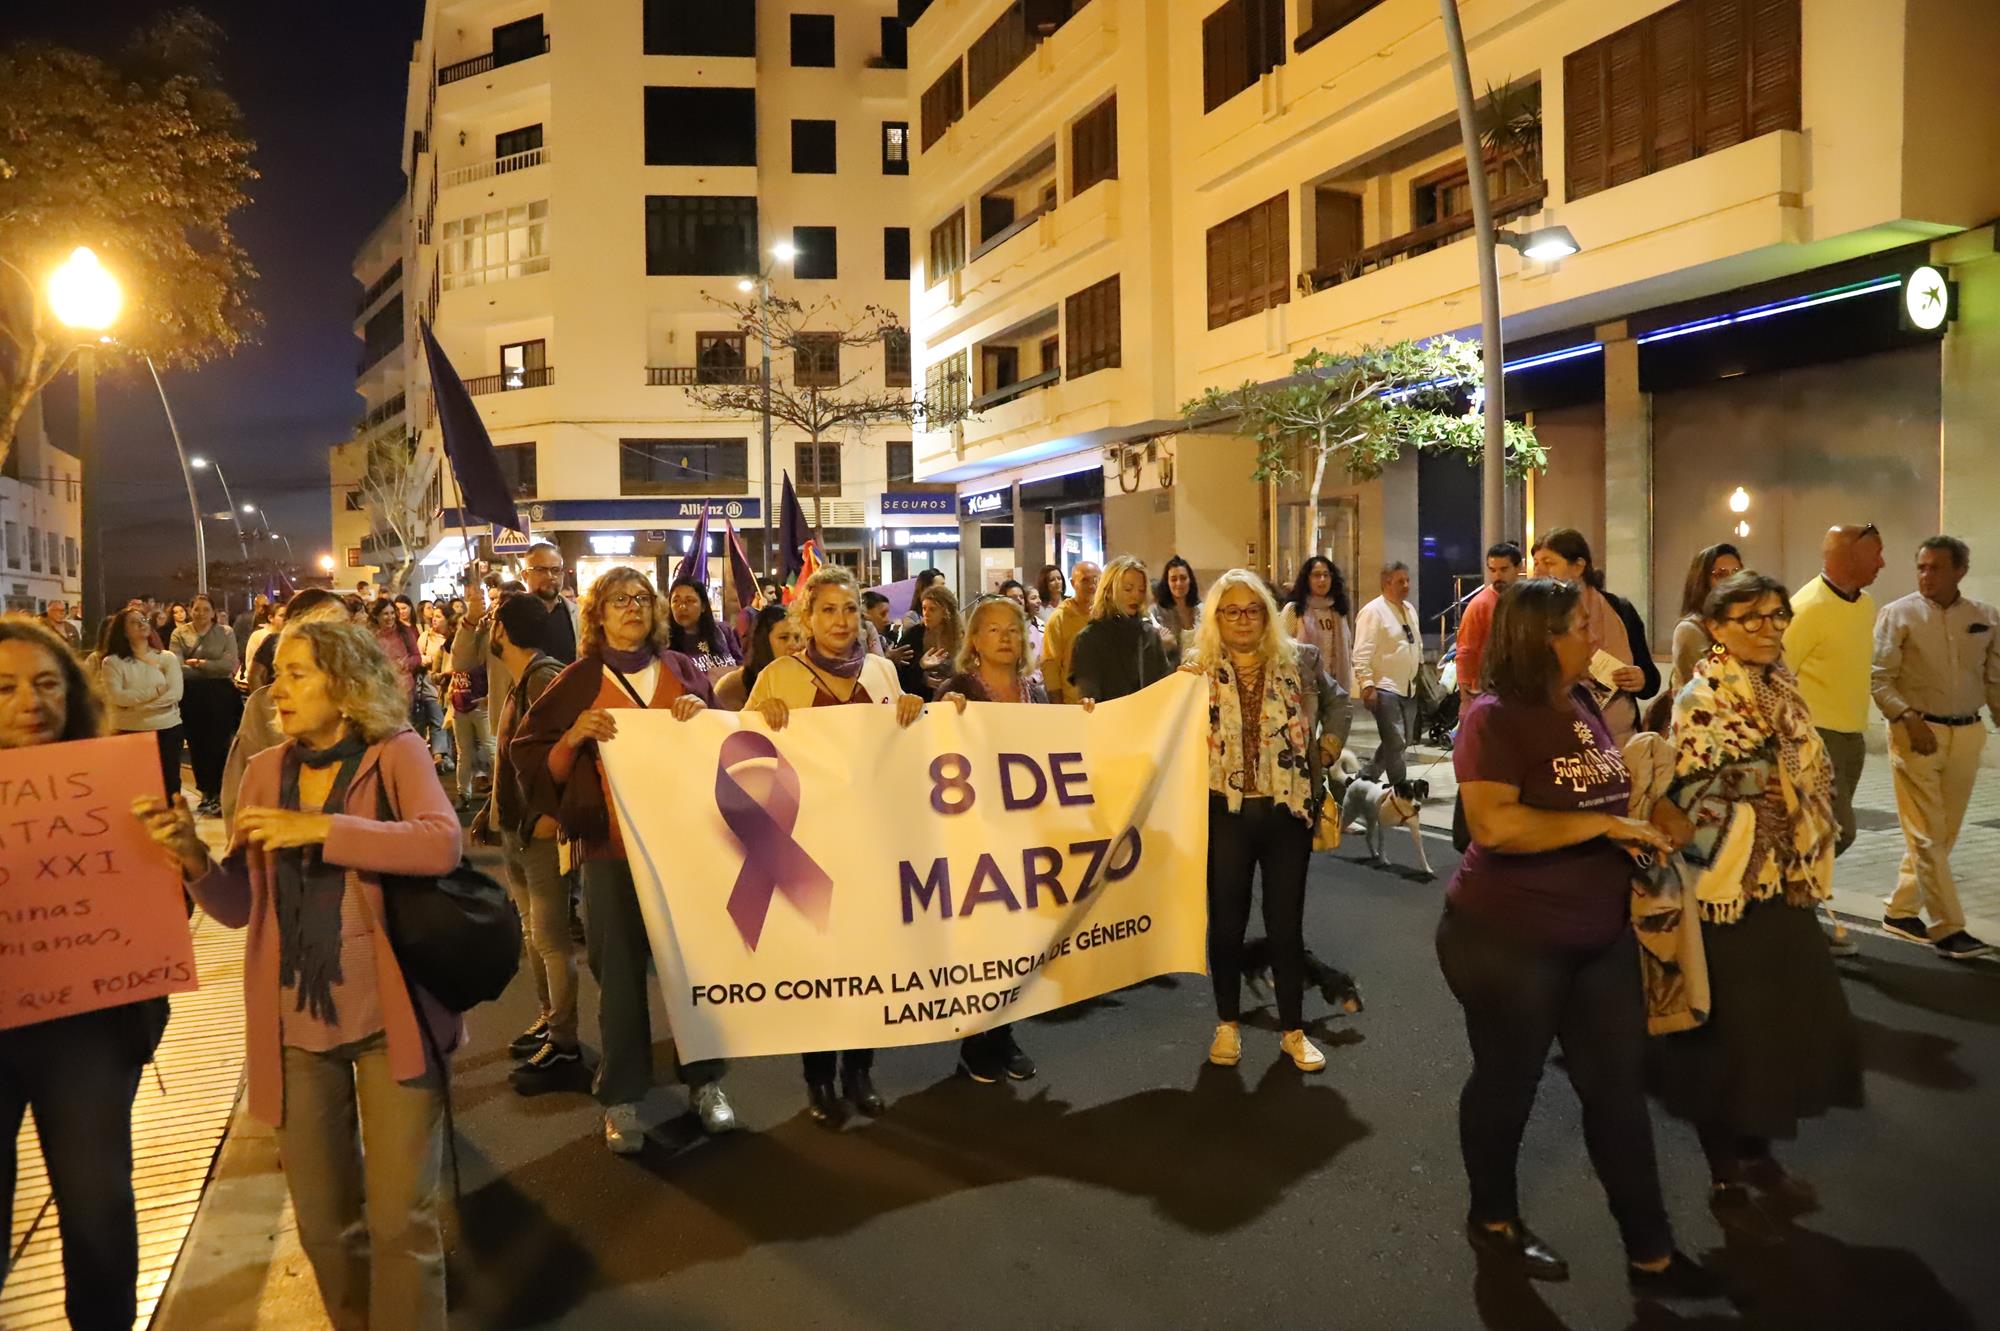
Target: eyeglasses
[[1240, 614], [630, 601], [1758, 623]]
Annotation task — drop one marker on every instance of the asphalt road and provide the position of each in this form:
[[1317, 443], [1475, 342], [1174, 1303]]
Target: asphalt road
[[1133, 1186]]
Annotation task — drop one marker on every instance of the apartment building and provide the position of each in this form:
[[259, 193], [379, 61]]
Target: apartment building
[[588, 184], [1759, 187], [41, 521], [362, 543]]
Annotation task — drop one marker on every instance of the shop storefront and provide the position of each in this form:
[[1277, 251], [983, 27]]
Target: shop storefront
[[916, 531], [1017, 529]]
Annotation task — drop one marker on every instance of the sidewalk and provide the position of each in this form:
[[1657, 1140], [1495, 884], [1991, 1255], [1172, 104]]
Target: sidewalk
[[1862, 878]]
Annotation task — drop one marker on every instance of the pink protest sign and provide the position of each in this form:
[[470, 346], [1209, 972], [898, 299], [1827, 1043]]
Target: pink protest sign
[[90, 914]]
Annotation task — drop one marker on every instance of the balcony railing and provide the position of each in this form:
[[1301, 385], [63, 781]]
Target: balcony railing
[[690, 376], [393, 407], [378, 286], [1506, 208], [1019, 388], [484, 64], [507, 381], [498, 166]]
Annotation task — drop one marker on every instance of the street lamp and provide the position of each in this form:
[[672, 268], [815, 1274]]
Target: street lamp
[[86, 299], [203, 464], [326, 565], [1544, 244]]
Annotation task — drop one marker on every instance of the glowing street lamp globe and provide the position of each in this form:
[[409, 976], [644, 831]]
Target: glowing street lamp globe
[[84, 294], [326, 563]]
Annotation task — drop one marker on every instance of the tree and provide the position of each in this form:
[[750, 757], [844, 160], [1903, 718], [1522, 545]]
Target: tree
[[396, 483], [141, 158], [1361, 410], [815, 389]]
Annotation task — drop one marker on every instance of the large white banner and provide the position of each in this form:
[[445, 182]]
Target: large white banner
[[846, 883]]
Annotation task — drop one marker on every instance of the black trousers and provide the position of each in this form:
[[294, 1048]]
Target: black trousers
[[80, 1074], [820, 1063], [1519, 998], [170, 741], [210, 710], [615, 938], [1267, 836]]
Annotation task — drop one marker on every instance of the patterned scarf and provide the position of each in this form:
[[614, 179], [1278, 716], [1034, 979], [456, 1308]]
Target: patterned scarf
[[1281, 761], [309, 889], [1744, 739]]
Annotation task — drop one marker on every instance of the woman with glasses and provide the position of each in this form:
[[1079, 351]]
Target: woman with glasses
[[1259, 807], [1752, 775], [1614, 628], [1316, 612], [1119, 651], [834, 670], [624, 663]]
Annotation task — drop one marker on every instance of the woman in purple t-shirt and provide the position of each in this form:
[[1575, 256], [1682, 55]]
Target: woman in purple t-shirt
[[1535, 941]]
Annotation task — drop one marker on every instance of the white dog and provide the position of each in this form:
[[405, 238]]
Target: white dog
[[1370, 806]]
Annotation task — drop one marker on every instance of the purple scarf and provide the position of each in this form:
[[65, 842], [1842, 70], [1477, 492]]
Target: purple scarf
[[846, 667], [628, 663]]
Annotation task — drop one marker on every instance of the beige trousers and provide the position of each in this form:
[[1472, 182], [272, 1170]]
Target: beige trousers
[[1931, 794], [362, 1152]]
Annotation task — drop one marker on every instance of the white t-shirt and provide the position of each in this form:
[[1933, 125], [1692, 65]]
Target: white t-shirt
[[1388, 646]]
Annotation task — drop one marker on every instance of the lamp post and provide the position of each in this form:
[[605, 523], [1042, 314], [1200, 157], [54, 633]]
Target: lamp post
[[203, 464], [784, 251], [86, 298], [187, 475]]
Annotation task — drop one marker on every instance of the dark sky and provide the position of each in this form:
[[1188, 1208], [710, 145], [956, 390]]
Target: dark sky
[[321, 84]]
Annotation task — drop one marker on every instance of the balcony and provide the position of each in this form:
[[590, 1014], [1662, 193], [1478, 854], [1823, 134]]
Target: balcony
[[378, 287], [541, 376], [1019, 388], [498, 166], [693, 376], [486, 64], [1506, 208]]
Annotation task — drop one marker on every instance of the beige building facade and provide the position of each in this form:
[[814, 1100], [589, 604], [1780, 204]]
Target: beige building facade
[[1754, 184]]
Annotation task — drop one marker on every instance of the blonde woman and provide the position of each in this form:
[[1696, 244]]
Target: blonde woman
[[337, 1037], [1259, 806], [833, 671], [1119, 650]]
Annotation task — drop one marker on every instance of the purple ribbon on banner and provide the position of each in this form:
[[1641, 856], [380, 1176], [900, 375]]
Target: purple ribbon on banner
[[772, 861]]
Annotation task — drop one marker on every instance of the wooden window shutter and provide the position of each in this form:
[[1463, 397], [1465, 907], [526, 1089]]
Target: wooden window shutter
[[1277, 276], [1214, 60], [1094, 147], [1672, 102], [1218, 275], [1091, 329], [1774, 65], [1583, 121], [1724, 101], [1625, 106]]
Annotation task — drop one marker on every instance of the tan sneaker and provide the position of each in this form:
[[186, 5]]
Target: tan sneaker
[[1226, 1049], [1303, 1051]]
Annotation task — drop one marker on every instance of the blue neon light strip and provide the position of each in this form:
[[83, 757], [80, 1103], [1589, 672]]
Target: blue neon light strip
[[1867, 288]]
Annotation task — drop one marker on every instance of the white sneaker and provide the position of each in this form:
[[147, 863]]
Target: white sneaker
[[1303, 1051], [1226, 1049], [717, 1114], [623, 1132]]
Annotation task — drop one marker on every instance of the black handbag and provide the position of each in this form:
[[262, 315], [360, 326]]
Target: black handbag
[[457, 935]]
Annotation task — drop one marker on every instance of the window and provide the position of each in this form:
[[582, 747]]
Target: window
[[524, 365], [701, 235], [719, 358], [1093, 147], [947, 249], [701, 27], [895, 147], [701, 127], [495, 246], [13, 545], [515, 142], [812, 41], [55, 553], [514, 42], [812, 148], [34, 549], [69, 556], [896, 358], [1323, 18], [1447, 192], [1336, 228], [356, 502], [997, 52], [816, 360], [1249, 263], [901, 470], [1240, 43], [1692, 79], [946, 390], [517, 469], [383, 332], [1090, 327], [895, 44], [683, 466], [943, 104], [895, 254], [819, 254], [817, 467]]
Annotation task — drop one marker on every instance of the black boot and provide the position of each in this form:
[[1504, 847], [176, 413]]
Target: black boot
[[859, 1088], [823, 1105], [1519, 1247]]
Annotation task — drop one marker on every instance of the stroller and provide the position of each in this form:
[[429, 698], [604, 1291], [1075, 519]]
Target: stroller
[[1437, 699]]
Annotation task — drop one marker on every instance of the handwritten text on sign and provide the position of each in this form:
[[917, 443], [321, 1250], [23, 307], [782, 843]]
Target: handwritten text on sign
[[845, 883], [90, 915]]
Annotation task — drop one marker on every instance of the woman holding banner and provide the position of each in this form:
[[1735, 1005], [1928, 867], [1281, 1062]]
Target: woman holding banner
[[342, 1048], [1259, 807], [79, 1073], [832, 671], [622, 661]]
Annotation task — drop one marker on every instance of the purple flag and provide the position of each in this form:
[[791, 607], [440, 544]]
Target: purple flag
[[739, 580], [694, 564], [793, 533], [483, 491]]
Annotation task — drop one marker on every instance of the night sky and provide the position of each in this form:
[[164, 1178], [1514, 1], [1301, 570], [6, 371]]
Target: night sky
[[321, 84]]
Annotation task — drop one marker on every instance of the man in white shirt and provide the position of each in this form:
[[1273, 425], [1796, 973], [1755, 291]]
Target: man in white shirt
[[1388, 649]]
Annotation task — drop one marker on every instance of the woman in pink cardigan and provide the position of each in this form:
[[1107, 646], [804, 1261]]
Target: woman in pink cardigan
[[335, 1050]]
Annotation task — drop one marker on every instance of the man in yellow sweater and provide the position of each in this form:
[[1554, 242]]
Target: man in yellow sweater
[[1059, 635], [1830, 646]]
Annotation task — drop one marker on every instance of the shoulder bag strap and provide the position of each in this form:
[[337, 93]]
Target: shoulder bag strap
[[620, 675]]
